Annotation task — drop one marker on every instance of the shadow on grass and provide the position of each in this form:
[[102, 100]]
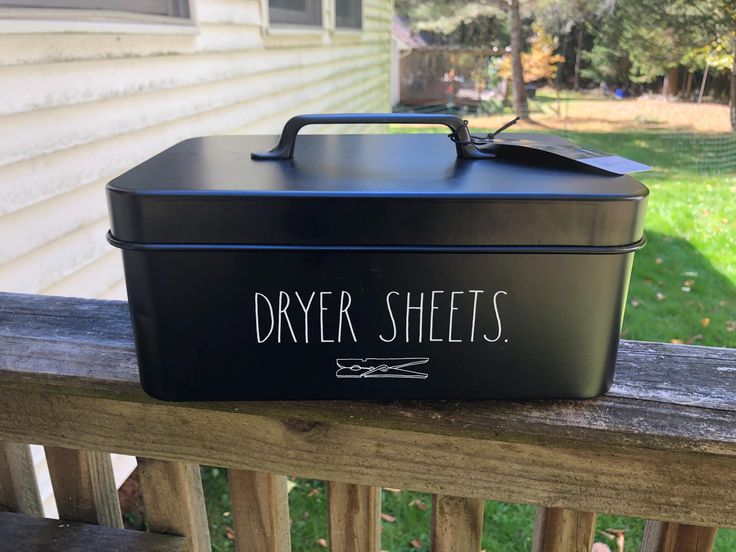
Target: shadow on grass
[[676, 293]]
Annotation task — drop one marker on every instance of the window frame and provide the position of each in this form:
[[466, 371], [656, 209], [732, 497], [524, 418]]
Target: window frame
[[317, 6], [29, 20], [348, 28], [103, 6], [325, 30]]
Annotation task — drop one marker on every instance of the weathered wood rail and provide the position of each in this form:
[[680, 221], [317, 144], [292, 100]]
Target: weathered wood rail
[[660, 445]]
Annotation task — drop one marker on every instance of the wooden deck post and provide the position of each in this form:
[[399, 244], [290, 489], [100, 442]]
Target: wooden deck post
[[174, 501], [355, 517], [457, 523], [563, 530], [260, 509], [661, 536], [18, 486], [84, 486]]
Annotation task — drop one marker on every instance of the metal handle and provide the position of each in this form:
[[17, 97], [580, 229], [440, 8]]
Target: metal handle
[[460, 134]]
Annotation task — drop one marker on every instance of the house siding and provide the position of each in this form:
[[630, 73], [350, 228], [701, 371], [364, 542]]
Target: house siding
[[78, 109]]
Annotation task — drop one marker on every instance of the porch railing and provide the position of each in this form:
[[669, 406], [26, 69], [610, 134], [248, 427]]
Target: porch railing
[[660, 445]]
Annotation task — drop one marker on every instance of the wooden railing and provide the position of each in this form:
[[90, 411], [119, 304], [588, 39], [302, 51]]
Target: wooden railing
[[660, 445]]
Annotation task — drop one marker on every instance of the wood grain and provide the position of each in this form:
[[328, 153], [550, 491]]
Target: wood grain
[[660, 536], [18, 486], [174, 501], [33, 534], [685, 487], [665, 450], [563, 530], [84, 486], [260, 509], [84, 347], [457, 524], [354, 517]]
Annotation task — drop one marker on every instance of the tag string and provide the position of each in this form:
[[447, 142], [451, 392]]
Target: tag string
[[481, 140]]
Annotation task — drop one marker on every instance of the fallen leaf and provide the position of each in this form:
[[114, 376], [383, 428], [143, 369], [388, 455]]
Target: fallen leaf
[[648, 282], [416, 543], [659, 260], [419, 503], [685, 289], [731, 325], [690, 273], [705, 322], [229, 533], [661, 296], [306, 514], [635, 303], [225, 514], [676, 341], [313, 492], [688, 283], [387, 517], [322, 542]]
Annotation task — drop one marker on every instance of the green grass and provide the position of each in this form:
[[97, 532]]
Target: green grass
[[683, 288]]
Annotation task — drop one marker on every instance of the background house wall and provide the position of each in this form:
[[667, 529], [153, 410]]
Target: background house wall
[[83, 101], [86, 96]]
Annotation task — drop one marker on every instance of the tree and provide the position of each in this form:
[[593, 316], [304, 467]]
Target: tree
[[657, 36], [562, 17], [540, 62], [732, 95], [608, 60], [471, 24], [450, 14], [660, 34], [521, 108]]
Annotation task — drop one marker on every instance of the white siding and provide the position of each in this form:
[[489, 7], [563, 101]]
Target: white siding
[[79, 108]]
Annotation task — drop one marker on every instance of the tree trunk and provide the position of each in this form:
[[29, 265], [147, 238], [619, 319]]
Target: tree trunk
[[732, 96], [669, 87], [563, 48], [520, 106], [702, 83], [687, 90], [578, 58]]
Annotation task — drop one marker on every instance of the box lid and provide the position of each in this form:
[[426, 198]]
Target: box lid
[[362, 190]]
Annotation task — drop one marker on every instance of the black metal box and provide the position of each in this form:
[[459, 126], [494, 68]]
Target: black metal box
[[373, 267]]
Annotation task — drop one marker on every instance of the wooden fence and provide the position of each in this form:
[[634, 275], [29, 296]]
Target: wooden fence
[[660, 445]]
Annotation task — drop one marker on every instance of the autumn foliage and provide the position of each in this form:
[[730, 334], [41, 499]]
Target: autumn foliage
[[540, 62]]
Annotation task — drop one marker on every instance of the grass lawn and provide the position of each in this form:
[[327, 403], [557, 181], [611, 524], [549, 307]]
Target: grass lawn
[[683, 288]]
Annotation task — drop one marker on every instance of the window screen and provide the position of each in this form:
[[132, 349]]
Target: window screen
[[172, 8], [348, 13], [295, 12]]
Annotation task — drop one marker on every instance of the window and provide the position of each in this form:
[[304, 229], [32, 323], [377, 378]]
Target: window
[[295, 12], [348, 14], [170, 8]]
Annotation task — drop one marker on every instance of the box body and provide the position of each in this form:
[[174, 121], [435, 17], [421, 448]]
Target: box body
[[524, 325], [451, 318]]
